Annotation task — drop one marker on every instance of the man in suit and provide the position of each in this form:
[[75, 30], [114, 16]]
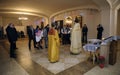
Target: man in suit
[[84, 33], [100, 29], [45, 35], [12, 37], [31, 36]]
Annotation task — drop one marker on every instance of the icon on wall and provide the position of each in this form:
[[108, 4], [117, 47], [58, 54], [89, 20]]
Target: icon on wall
[[68, 20]]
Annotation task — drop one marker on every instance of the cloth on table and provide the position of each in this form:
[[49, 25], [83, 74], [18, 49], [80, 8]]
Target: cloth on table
[[94, 41], [109, 39], [91, 47]]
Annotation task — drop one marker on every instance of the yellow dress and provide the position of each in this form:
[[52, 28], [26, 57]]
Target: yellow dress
[[76, 45], [53, 45]]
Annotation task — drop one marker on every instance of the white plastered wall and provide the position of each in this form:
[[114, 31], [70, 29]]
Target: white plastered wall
[[105, 21], [21, 24]]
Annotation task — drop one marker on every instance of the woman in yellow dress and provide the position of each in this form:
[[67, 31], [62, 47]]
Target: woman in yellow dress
[[53, 44]]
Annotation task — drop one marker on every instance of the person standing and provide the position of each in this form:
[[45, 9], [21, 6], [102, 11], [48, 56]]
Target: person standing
[[76, 45], [16, 33], [12, 37], [31, 36], [64, 34], [38, 37], [68, 35], [99, 31], [53, 44], [84, 33], [45, 35], [0, 32]]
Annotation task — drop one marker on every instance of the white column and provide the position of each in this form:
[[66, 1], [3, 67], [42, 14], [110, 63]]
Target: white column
[[112, 26], [105, 21]]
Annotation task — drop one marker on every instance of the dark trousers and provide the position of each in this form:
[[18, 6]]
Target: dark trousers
[[15, 45], [99, 36], [40, 44], [67, 38], [46, 41], [84, 38], [34, 43], [64, 39], [12, 49], [0, 34]]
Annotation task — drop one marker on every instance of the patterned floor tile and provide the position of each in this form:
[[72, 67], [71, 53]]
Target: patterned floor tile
[[66, 59]]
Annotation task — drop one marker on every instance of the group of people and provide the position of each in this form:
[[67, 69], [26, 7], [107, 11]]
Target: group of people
[[66, 33], [76, 43], [52, 39], [37, 35], [100, 30]]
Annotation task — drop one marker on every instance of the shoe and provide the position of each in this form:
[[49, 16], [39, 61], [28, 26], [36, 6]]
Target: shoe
[[13, 56], [36, 47], [30, 49], [16, 48], [41, 47]]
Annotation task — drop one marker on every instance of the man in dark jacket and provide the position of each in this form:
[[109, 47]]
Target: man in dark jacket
[[45, 35], [31, 36], [99, 31], [12, 37], [84, 33]]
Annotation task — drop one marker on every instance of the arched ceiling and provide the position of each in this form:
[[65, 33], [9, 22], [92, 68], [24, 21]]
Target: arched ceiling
[[43, 7]]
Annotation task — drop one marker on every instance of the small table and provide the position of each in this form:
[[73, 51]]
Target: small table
[[91, 48]]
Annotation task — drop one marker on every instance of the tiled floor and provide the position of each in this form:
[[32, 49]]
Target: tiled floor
[[109, 70], [35, 62], [66, 59], [8, 66]]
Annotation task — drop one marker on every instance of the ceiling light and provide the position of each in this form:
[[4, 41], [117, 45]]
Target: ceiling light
[[23, 18]]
